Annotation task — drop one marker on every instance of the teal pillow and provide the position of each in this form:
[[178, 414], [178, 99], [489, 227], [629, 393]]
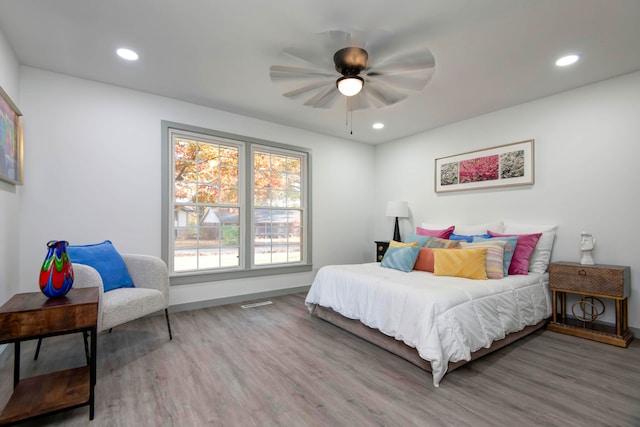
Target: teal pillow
[[106, 260], [509, 249], [401, 258], [416, 238]]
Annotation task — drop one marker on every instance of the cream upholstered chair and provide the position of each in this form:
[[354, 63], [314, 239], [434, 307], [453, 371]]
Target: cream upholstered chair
[[122, 305]]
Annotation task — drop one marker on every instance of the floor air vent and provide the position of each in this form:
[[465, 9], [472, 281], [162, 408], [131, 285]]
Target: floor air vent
[[257, 304]]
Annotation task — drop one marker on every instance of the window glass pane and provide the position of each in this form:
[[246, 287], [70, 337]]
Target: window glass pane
[[185, 259], [230, 257], [208, 193], [184, 192], [279, 198], [279, 180], [261, 197], [262, 178]]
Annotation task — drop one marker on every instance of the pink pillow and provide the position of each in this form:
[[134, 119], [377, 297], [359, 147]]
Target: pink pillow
[[524, 248], [442, 234]]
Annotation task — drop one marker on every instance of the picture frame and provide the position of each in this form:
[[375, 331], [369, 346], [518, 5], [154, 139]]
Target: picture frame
[[500, 166], [11, 141]]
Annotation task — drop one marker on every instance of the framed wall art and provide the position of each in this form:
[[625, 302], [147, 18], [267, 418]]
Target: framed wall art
[[10, 140], [504, 165]]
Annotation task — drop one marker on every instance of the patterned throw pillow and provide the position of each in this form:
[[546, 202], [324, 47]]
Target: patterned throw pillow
[[494, 262], [441, 243], [509, 249], [468, 263]]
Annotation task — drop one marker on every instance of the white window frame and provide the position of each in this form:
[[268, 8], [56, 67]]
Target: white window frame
[[247, 146]]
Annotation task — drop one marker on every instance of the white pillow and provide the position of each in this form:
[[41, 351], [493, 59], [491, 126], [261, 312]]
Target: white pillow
[[541, 255], [470, 230], [430, 226]]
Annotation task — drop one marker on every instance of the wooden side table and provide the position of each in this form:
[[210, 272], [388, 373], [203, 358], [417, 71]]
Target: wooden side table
[[591, 281], [33, 315], [381, 249]]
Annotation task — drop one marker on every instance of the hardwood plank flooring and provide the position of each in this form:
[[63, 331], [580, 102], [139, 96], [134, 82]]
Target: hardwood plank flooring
[[275, 365]]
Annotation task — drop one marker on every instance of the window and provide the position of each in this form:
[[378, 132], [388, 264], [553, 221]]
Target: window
[[233, 206]]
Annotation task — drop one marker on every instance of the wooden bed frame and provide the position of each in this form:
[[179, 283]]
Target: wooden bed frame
[[409, 353]]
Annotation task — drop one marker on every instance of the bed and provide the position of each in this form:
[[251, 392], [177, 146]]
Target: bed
[[436, 322]]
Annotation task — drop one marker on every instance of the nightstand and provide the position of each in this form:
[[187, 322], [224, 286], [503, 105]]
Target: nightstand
[[591, 282], [381, 249]]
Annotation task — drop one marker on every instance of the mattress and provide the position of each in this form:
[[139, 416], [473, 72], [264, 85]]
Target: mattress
[[444, 318]]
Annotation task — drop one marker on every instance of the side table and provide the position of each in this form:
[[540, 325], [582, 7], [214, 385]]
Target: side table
[[32, 315], [381, 249], [591, 282]]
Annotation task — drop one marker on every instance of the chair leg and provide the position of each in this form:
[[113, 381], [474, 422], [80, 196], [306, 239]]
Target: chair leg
[[38, 349], [166, 313]]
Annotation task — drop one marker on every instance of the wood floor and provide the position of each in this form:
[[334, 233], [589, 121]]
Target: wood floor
[[276, 366]]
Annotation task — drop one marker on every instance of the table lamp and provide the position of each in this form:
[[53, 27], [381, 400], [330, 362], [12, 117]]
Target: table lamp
[[399, 210]]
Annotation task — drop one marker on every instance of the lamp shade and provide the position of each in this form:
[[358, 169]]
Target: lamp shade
[[398, 209]]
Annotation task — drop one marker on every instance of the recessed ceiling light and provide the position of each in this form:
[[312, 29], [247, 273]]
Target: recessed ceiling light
[[567, 60], [378, 125], [127, 54]]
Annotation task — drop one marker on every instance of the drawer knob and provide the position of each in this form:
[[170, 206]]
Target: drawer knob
[[582, 273]]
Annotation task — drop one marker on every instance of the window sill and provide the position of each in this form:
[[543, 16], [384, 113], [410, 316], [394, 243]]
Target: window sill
[[187, 279]]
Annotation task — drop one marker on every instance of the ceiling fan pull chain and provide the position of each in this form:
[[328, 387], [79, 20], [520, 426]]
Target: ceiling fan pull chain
[[351, 122]]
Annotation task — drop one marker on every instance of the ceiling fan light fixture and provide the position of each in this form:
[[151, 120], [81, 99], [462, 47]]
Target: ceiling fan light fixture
[[350, 85]]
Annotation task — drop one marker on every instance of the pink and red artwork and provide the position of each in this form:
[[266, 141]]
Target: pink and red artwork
[[479, 169]]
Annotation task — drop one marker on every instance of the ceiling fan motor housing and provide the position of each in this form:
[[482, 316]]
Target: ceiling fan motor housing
[[350, 61]]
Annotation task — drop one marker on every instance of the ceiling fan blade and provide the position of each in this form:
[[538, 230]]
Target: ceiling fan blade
[[317, 57], [281, 72], [402, 62], [323, 99], [307, 88], [411, 80], [358, 102], [319, 51], [385, 96]]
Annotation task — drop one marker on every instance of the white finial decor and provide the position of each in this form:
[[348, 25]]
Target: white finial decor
[[587, 243]]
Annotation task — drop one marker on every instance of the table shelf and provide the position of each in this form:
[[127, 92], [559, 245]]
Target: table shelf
[[43, 394]]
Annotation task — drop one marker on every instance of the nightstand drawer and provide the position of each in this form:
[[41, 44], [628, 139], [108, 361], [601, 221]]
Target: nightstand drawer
[[607, 280]]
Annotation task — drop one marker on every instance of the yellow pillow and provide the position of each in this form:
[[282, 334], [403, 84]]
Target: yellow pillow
[[394, 244], [469, 263]]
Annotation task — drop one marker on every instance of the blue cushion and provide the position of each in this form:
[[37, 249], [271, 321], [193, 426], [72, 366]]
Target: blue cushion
[[468, 238], [509, 249], [106, 260], [416, 238], [400, 258]]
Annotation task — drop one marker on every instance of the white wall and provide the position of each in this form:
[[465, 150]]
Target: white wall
[[93, 173], [9, 194], [587, 150]]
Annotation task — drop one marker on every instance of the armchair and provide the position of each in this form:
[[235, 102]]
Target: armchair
[[122, 305]]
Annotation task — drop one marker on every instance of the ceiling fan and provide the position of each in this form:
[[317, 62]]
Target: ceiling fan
[[369, 72]]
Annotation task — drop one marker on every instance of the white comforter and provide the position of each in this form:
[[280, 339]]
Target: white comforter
[[444, 318]]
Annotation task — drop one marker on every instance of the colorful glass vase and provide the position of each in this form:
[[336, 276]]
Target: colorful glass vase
[[56, 274]]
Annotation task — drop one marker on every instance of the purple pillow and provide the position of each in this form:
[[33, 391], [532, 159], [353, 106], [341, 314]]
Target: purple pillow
[[441, 234], [524, 248]]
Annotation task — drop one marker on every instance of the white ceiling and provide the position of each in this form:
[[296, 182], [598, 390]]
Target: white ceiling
[[490, 54]]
